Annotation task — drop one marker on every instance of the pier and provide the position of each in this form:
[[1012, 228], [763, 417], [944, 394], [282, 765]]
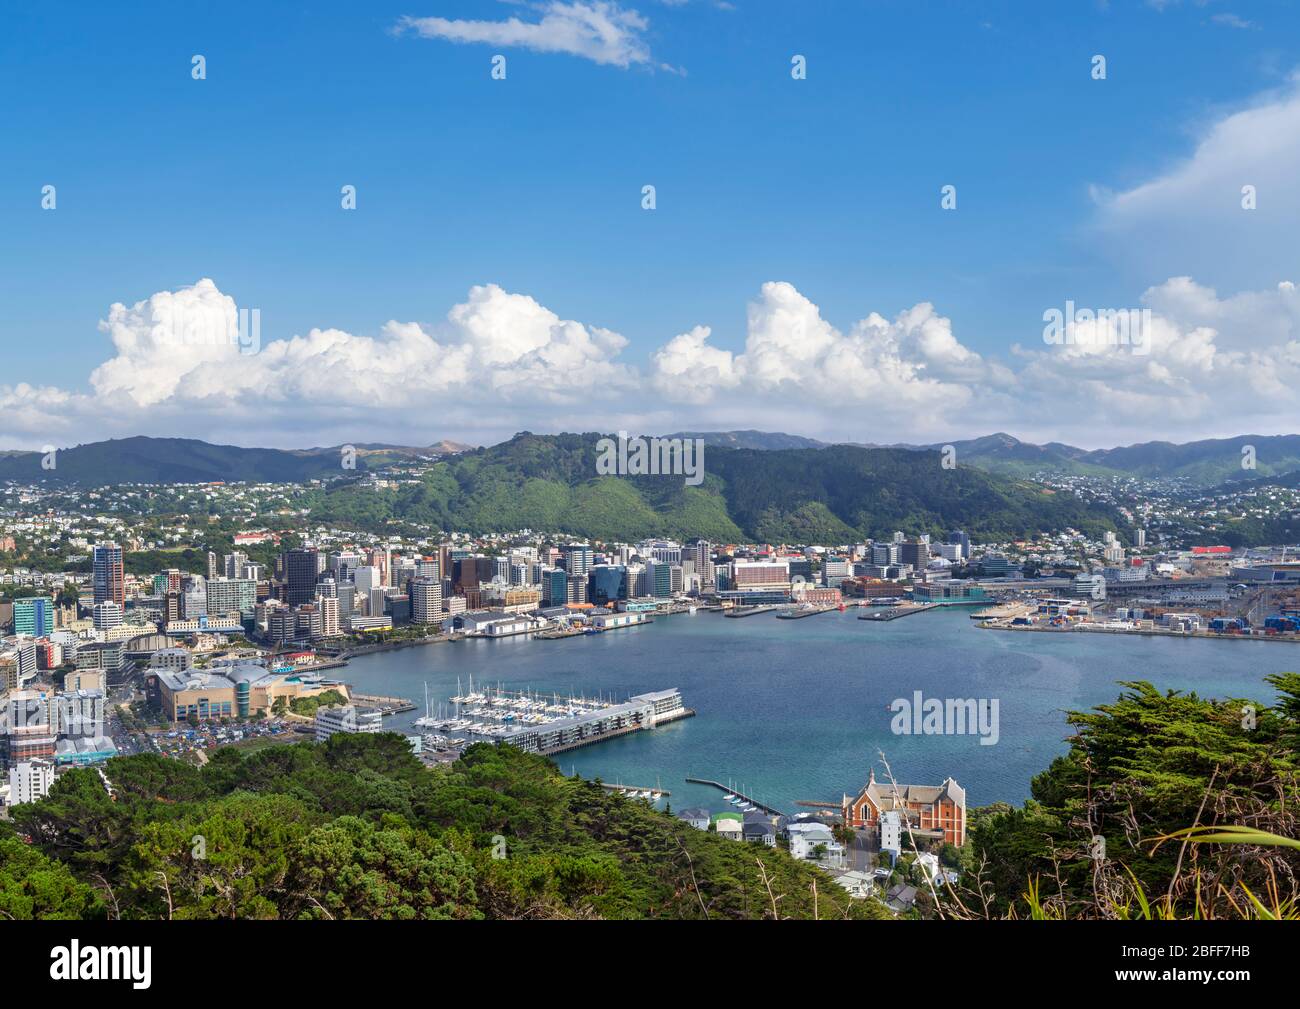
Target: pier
[[799, 614], [576, 743], [773, 811], [894, 612], [747, 611], [554, 634], [385, 705]]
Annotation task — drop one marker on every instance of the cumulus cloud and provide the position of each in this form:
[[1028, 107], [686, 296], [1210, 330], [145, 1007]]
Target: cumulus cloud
[[598, 30], [912, 363], [1194, 217], [500, 361], [1215, 366], [180, 366]]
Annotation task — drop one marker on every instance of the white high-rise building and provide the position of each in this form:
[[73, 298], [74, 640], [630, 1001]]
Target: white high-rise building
[[329, 615], [366, 578], [426, 601], [30, 780], [346, 718], [107, 615]]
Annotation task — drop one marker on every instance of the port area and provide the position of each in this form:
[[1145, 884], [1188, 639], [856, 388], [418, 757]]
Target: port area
[[1078, 615], [1125, 627], [894, 612], [1005, 611]]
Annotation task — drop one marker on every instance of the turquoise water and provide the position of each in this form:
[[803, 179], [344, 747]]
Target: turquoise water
[[799, 709]]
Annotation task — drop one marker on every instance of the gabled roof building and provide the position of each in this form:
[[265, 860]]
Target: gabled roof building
[[934, 810]]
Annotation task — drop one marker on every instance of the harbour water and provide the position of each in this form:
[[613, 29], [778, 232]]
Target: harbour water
[[801, 709]]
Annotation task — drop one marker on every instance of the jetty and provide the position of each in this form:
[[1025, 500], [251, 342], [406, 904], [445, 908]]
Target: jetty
[[385, 705], [798, 613], [555, 633], [894, 612], [772, 810], [747, 611]]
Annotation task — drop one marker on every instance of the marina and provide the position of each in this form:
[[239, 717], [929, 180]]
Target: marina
[[737, 797], [542, 723]]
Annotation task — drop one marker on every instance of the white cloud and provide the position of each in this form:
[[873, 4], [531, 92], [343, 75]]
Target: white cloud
[[598, 30], [792, 354], [1190, 218], [1229, 20], [500, 362], [1216, 366], [178, 368], [688, 370]]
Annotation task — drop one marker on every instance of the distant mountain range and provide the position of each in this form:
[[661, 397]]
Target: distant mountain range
[[180, 460], [186, 460], [760, 440], [1204, 463]]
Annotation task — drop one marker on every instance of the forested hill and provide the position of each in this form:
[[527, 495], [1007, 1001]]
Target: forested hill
[[828, 495], [356, 827]]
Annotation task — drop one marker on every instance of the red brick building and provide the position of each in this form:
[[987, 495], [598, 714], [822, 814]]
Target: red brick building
[[931, 808]]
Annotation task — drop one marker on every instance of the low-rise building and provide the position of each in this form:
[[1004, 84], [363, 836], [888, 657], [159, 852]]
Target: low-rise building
[[30, 780], [348, 718], [814, 841], [234, 691]]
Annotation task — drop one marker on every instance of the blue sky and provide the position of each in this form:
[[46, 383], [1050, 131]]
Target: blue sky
[[829, 186]]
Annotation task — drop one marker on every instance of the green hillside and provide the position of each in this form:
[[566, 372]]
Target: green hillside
[[828, 495], [170, 460]]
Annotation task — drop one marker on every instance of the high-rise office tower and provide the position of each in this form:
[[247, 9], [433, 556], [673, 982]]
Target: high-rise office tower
[[299, 575], [109, 576], [380, 559], [34, 615], [426, 601], [577, 559]]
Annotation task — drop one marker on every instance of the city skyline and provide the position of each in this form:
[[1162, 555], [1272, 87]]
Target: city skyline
[[798, 272]]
